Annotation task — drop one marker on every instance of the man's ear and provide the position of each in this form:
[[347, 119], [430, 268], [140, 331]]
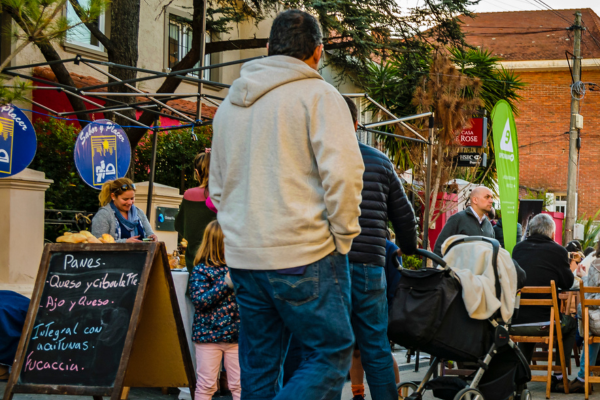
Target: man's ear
[[318, 53]]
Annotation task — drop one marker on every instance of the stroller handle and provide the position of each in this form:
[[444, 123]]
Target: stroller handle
[[431, 256]]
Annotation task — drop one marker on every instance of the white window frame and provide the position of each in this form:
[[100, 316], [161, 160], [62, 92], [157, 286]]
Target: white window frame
[[183, 43], [560, 203], [101, 27]]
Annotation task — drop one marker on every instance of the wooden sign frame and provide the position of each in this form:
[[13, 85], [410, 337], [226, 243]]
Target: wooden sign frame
[[141, 361]]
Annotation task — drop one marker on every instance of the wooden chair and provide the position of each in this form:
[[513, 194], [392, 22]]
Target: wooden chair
[[587, 338], [550, 340]]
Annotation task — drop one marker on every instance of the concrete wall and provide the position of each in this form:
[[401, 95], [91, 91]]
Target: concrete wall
[[22, 229]]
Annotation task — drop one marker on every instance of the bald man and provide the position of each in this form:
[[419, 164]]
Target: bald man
[[471, 222]]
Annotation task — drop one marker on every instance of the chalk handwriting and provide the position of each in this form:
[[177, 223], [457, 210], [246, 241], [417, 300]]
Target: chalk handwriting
[[46, 331], [56, 282], [32, 365], [104, 283], [71, 262]]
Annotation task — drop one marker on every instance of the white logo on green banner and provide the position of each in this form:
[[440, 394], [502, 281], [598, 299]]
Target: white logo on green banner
[[506, 147]]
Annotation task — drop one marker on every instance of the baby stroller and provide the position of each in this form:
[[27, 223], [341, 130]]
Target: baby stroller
[[428, 314]]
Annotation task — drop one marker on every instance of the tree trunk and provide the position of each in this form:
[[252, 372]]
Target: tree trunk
[[123, 49], [63, 77], [171, 83], [60, 71]]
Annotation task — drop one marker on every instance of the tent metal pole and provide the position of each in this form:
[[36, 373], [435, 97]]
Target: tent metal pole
[[39, 64], [152, 167], [98, 105], [394, 121], [143, 94], [428, 187], [394, 135], [139, 91], [179, 74]]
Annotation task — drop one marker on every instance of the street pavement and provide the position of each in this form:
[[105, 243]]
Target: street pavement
[[407, 373]]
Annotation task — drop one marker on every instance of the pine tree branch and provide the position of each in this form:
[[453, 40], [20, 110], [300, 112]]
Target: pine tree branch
[[102, 38]]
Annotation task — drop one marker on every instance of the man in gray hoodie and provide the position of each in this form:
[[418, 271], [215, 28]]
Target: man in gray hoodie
[[286, 178]]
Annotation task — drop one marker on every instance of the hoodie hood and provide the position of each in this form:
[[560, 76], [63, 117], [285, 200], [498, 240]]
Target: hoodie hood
[[259, 77]]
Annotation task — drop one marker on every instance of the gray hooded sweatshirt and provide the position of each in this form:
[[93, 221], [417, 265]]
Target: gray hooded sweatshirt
[[286, 170]]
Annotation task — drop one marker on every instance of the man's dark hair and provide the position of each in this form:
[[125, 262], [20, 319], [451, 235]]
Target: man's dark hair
[[296, 34], [588, 251], [353, 109], [573, 245]]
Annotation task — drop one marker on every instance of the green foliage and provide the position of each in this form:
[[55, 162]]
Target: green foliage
[[393, 83], [56, 142], [174, 156], [54, 156], [538, 195], [43, 21], [14, 91], [357, 31], [591, 229], [498, 84], [411, 262]]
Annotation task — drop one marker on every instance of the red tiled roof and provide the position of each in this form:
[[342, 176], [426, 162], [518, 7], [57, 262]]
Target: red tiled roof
[[184, 106], [532, 35]]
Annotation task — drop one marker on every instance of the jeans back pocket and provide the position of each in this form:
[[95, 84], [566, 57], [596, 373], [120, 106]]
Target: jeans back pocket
[[296, 289]]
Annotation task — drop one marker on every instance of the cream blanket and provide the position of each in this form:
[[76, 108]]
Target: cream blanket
[[472, 263]]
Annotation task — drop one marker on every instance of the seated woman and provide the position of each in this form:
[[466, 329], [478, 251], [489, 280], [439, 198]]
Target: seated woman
[[118, 216]]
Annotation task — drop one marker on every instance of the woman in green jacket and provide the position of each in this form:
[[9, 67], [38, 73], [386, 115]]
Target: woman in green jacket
[[196, 210]]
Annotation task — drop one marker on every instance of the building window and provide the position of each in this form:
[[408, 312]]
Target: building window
[[560, 203], [180, 43], [80, 34]]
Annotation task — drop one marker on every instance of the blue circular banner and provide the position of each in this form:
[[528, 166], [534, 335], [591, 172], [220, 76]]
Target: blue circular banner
[[102, 153], [17, 141]]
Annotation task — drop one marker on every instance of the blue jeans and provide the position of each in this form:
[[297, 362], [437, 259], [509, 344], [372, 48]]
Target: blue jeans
[[315, 308], [370, 322], [593, 354]]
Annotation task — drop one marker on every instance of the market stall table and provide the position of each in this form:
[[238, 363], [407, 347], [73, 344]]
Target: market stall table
[[180, 279]]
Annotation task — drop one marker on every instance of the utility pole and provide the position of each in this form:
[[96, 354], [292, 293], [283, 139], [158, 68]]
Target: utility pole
[[573, 134]]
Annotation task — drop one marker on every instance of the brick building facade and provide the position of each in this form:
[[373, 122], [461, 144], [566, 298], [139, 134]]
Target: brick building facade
[[533, 45]]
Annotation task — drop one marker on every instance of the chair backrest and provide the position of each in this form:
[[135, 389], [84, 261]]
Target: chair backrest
[[553, 302], [588, 289]]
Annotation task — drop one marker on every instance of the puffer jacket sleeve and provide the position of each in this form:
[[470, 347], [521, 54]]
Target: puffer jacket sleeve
[[401, 215]]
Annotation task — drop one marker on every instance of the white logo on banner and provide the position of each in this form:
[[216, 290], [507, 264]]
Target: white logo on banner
[[102, 171], [506, 142]]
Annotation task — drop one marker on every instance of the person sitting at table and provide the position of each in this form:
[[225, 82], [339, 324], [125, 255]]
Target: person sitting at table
[[543, 260], [118, 216]]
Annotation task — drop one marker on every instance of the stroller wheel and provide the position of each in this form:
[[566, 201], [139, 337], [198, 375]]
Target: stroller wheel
[[525, 395], [469, 394], [406, 389]]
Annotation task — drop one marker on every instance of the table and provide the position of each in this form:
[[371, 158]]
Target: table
[[186, 307]]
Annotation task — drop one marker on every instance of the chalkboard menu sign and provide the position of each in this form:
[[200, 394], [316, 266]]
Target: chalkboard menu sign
[[85, 318]]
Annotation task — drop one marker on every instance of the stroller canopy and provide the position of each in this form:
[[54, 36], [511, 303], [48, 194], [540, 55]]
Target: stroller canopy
[[472, 262]]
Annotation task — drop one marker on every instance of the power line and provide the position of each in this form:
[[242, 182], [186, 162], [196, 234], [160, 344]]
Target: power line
[[514, 33], [553, 10]]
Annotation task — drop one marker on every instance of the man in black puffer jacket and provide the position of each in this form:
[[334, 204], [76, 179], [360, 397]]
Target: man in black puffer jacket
[[383, 198]]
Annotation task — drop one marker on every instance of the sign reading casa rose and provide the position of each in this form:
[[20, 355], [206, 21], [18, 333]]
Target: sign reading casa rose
[[475, 135]]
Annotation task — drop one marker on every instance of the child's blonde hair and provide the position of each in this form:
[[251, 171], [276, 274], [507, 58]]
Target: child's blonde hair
[[212, 249]]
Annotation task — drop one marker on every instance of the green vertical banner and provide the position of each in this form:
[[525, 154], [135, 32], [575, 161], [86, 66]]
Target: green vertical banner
[[506, 149]]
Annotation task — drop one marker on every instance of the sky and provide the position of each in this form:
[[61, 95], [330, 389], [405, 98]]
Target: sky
[[522, 5]]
